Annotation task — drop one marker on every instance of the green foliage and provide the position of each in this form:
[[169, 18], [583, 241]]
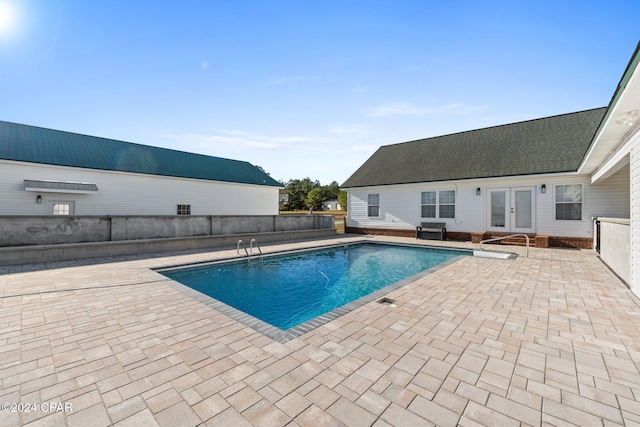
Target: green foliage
[[342, 199], [315, 198], [298, 191], [330, 191], [308, 194]]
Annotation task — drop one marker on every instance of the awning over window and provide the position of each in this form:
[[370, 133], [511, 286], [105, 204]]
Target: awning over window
[[59, 187]]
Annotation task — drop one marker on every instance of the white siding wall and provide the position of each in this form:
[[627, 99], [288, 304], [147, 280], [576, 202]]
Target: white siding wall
[[400, 204], [400, 207], [131, 194], [635, 219]]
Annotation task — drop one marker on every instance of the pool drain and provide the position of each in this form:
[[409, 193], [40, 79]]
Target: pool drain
[[388, 301]]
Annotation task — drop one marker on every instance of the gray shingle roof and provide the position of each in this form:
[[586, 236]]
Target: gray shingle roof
[[549, 145], [39, 145]]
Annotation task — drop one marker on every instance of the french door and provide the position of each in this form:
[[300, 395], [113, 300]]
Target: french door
[[511, 210]]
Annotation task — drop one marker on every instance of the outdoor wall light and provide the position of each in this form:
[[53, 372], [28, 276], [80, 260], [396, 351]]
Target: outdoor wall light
[[478, 191], [39, 199], [543, 188]]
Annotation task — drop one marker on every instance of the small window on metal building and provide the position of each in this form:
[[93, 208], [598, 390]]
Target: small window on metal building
[[184, 209], [61, 208]]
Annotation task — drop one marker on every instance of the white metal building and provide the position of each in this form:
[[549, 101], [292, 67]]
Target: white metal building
[[50, 172]]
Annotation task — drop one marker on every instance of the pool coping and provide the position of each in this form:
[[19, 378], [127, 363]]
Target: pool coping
[[281, 335]]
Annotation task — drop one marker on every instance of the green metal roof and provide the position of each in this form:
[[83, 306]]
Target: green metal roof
[[549, 145], [39, 145]]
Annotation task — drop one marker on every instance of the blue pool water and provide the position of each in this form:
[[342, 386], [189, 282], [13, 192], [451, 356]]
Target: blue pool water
[[288, 290]]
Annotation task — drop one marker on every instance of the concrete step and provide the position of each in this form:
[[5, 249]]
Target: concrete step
[[512, 241]]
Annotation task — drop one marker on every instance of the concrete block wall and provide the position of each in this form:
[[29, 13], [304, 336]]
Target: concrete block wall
[[51, 230], [46, 230], [74, 251]]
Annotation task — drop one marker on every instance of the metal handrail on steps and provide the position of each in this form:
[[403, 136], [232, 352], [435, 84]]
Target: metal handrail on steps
[[506, 237]]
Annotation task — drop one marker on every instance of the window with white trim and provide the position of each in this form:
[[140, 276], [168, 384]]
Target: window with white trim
[[373, 205], [62, 208], [447, 200], [184, 209], [428, 204], [569, 202], [438, 204]]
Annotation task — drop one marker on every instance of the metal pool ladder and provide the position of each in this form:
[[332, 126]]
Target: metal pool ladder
[[240, 242], [506, 237], [257, 246], [249, 253]]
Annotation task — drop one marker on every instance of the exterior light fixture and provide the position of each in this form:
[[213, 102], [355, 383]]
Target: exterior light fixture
[[478, 191], [629, 118], [543, 188], [39, 199]]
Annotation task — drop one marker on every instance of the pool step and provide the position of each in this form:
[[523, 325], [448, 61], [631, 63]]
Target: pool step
[[512, 241]]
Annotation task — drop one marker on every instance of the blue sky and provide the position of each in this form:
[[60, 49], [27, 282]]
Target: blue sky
[[305, 88]]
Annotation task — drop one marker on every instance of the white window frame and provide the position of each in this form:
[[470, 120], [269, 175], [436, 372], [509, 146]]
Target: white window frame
[[53, 203], [437, 204], [423, 205], [556, 202], [441, 204], [373, 204]]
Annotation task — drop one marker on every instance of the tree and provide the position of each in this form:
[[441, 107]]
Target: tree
[[314, 199], [330, 192], [342, 199], [298, 191], [300, 196]]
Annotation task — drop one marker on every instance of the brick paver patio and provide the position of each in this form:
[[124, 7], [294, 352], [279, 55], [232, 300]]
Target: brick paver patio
[[552, 339]]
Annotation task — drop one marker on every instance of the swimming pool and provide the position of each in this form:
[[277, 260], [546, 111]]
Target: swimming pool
[[290, 291]]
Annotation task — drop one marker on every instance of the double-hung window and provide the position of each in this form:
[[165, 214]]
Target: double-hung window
[[438, 204], [428, 204], [373, 205], [569, 202], [447, 201]]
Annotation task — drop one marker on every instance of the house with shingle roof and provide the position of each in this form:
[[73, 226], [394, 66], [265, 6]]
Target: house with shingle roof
[[516, 178], [571, 180], [51, 172], [567, 180]]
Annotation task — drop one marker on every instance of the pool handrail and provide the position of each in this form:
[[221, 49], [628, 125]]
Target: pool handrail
[[257, 246], [506, 237], [243, 247]]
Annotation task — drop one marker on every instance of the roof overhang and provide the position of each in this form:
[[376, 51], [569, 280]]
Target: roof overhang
[[619, 128], [48, 186], [486, 180]]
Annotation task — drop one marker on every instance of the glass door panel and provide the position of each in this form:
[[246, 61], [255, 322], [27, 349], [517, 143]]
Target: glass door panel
[[511, 210], [498, 209], [523, 208]]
